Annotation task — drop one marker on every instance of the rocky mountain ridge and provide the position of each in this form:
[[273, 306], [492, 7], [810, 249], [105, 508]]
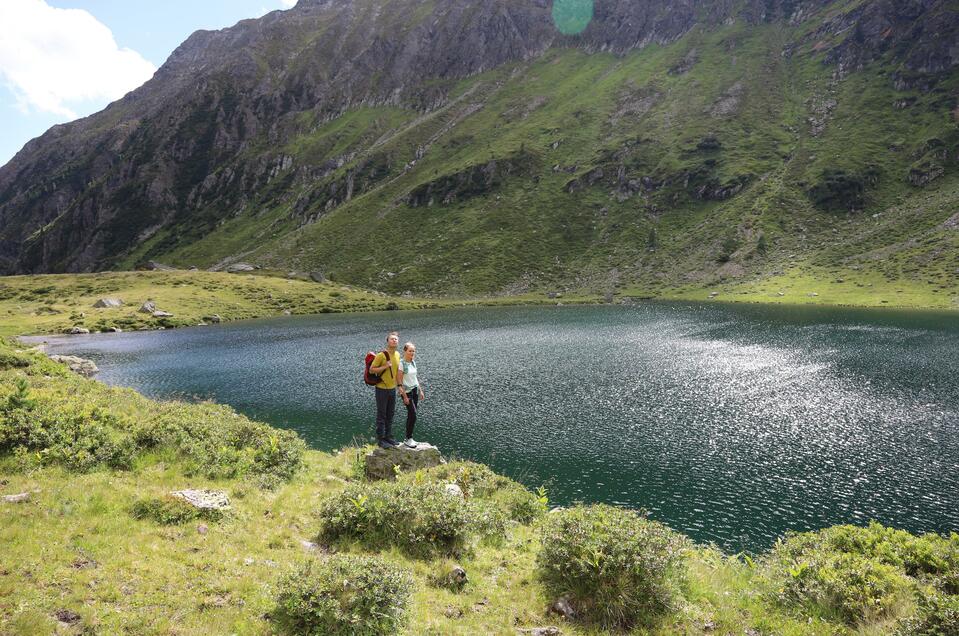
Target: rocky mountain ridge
[[234, 127]]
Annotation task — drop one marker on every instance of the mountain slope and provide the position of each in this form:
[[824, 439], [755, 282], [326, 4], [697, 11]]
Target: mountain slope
[[669, 144]]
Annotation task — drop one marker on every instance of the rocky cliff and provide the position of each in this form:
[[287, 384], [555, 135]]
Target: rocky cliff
[[298, 138]]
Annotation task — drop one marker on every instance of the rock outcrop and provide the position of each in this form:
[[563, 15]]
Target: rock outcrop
[[81, 366], [383, 463]]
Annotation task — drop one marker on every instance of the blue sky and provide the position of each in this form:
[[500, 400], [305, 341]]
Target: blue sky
[[63, 59]]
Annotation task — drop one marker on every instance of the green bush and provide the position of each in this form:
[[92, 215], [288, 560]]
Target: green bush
[[478, 481], [617, 568], [83, 425], [421, 519], [855, 574], [344, 596], [169, 510], [77, 438], [10, 360], [938, 615]]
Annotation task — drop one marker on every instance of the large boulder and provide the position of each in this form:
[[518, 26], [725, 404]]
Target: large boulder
[[108, 303], [78, 365], [381, 463], [77, 331], [240, 267]]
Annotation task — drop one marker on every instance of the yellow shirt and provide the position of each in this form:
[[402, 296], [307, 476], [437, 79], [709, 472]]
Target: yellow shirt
[[388, 377]]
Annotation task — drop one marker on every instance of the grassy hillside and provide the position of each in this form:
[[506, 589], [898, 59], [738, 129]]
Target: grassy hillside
[[715, 160], [100, 548]]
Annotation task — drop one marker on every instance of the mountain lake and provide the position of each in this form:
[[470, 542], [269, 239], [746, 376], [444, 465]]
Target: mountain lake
[[730, 423]]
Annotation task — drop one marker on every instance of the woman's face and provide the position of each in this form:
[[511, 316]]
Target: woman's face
[[410, 354]]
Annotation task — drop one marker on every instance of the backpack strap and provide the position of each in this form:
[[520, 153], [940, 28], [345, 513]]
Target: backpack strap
[[389, 362]]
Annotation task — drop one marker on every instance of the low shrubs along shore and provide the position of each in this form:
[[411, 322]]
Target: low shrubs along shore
[[101, 462]]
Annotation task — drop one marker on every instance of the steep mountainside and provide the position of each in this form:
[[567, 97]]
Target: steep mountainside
[[472, 146]]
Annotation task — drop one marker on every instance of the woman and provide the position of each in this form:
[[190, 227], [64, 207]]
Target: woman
[[410, 390]]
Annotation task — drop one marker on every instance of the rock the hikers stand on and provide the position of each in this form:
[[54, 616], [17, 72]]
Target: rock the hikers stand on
[[386, 364], [410, 390]]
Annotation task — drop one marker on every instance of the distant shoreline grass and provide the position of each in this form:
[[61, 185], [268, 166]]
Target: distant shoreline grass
[[53, 303]]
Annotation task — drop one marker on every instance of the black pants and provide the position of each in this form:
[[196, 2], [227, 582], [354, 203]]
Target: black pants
[[385, 407], [414, 396]]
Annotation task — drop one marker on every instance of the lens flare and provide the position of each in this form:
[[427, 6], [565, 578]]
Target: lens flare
[[571, 17]]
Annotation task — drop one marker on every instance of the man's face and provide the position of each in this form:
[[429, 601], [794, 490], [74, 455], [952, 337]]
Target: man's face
[[392, 340]]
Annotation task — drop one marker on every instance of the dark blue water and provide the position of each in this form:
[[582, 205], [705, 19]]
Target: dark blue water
[[732, 424]]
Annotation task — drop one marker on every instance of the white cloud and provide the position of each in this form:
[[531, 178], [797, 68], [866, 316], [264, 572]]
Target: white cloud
[[288, 4], [51, 58]]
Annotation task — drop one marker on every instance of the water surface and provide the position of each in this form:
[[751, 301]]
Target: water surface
[[730, 423]]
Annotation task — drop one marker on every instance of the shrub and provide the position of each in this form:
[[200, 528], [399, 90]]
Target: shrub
[[169, 510], [10, 360], [83, 425], [478, 481], [79, 439], [422, 519], [617, 568], [855, 574], [938, 615], [344, 595], [929, 558]]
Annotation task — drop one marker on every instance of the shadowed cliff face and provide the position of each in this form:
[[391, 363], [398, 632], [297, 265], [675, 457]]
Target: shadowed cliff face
[[199, 143]]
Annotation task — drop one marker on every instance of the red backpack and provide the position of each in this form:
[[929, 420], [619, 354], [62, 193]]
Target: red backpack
[[371, 378]]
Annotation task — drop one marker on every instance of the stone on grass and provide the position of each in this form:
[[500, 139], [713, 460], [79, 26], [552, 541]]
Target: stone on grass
[[564, 608], [68, 617], [76, 331], [382, 463], [204, 499], [454, 580], [240, 267], [318, 277], [78, 365], [148, 307], [23, 497], [162, 314], [108, 303], [454, 490], [540, 631], [202, 528]]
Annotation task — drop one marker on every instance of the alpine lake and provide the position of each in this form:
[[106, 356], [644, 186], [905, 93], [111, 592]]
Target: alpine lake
[[732, 424]]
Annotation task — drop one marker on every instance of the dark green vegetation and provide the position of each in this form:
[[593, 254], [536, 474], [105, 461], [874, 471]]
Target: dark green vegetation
[[346, 596], [618, 569], [753, 146]]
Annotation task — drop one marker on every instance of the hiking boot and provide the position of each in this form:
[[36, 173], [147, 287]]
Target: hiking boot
[[392, 442], [384, 444], [410, 442]]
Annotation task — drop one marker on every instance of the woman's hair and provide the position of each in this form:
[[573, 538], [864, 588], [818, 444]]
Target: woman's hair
[[408, 345]]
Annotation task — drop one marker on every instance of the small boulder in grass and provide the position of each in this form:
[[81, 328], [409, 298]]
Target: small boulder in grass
[[204, 499], [23, 497], [148, 307], [108, 303]]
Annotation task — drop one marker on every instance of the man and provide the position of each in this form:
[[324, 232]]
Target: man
[[386, 364]]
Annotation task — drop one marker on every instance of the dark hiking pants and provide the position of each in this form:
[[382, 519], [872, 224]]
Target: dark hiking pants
[[414, 396], [385, 407]]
